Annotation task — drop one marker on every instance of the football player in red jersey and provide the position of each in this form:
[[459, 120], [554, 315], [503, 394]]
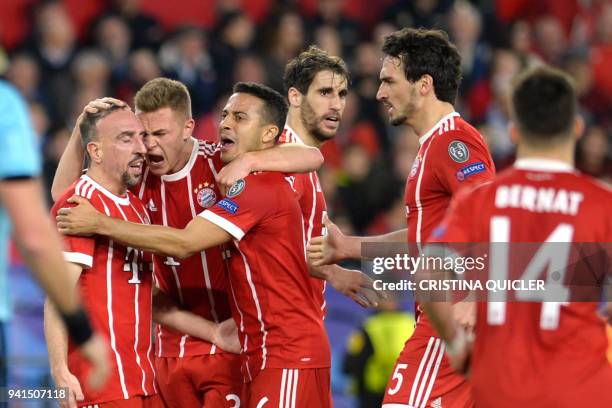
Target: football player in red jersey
[[554, 352], [178, 183], [420, 77], [115, 280], [317, 85], [286, 354]]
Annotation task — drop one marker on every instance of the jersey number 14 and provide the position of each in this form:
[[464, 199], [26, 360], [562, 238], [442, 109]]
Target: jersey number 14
[[552, 256]]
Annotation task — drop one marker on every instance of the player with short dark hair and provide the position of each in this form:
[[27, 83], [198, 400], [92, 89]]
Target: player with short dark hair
[[546, 352], [115, 280], [420, 77]]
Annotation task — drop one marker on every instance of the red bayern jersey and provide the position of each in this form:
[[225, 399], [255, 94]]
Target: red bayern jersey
[[115, 286], [198, 283], [313, 206], [280, 324], [553, 354], [452, 154]]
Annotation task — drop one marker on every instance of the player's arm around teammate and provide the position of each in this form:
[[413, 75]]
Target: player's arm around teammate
[[288, 158]]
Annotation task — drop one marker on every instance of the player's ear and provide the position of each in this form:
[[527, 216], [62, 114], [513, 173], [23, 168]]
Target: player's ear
[[513, 131], [269, 135], [188, 128], [578, 127], [295, 97], [425, 84], [94, 151]]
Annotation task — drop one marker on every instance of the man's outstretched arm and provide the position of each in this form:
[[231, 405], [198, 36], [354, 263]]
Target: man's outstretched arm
[[286, 158], [197, 236], [335, 246]]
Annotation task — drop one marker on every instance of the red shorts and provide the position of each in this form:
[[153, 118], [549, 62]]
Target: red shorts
[[211, 380], [141, 401], [422, 378], [289, 388]]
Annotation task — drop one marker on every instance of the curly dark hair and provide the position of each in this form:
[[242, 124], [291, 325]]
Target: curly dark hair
[[300, 71], [427, 52]]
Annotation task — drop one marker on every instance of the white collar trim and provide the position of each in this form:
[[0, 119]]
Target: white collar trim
[[541, 164], [118, 200], [187, 168], [430, 132], [297, 136]]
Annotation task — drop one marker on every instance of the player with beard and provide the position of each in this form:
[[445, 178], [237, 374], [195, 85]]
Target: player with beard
[[115, 280], [420, 77], [179, 182], [317, 85], [286, 354]]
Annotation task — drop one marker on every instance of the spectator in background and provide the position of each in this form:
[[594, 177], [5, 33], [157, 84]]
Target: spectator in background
[[506, 65], [465, 29], [145, 30], [142, 67], [593, 154], [329, 14], [550, 39], [418, 13], [114, 40], [373, 349], [24, 74], [92, 73], [233, 36], [186, 57], [54, 47], [284, 38]]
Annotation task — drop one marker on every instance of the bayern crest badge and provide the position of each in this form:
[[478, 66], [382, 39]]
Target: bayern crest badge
[[205, 195]]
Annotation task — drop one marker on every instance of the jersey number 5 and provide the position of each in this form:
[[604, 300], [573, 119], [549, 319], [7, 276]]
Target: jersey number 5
[[552, 256]]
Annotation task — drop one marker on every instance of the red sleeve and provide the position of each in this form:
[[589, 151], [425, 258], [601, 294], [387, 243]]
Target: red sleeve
[[77, 250], [246, 203], [461, 159]]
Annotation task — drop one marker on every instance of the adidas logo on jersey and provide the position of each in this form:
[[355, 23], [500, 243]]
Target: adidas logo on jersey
[[437, 403], [151, 205]]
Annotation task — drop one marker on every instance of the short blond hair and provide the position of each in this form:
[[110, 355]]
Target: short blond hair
[[161, 93]]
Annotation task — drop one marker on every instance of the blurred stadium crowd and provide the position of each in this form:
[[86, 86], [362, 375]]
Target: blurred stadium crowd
[[62, 54]]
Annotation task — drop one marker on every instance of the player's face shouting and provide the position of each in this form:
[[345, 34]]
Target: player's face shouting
[[122, 147], [167, 132], [323, 105], [397, 94], [242, 127]]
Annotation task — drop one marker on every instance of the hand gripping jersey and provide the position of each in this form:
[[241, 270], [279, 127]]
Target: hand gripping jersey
[[534, 354], [313, 206], [280, 323], [452, 155], [197, 283], [115, 285]]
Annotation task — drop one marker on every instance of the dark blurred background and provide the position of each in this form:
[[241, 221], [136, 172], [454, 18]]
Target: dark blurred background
[[62, 54]]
